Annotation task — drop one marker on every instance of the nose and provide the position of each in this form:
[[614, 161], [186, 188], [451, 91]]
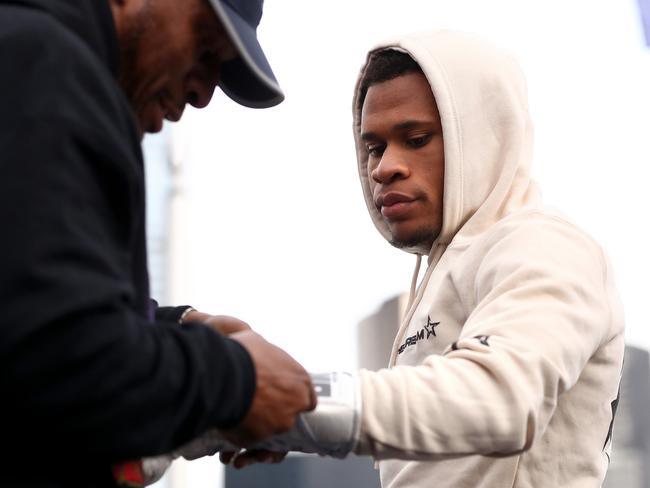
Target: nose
[[199, 89], [391, 167]]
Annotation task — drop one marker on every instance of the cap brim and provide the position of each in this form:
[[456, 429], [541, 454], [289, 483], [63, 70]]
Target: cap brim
[[247, 79]]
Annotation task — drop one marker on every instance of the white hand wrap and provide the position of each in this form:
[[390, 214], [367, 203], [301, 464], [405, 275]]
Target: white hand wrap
[[208, 444], [332, 429], [153, 468]]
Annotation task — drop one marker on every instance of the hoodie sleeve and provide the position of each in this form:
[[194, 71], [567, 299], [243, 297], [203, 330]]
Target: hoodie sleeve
[[83, 372], [539, 308]]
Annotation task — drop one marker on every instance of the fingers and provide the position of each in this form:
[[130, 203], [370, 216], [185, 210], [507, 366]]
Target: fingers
[[226, 456], [283, 390], [226, 325], [196, 316], [223, 324], [313, 398], [252, 456]]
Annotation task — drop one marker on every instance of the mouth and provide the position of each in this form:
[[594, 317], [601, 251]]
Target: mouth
[[160, 109], [153, 117], [170, 110], [394, 205]]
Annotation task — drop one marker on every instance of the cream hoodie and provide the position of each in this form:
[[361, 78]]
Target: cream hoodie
[[506, 368]]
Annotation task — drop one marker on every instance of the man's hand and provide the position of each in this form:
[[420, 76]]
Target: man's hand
[[223, 324], [283, 390], [251, 456], [332, 429]]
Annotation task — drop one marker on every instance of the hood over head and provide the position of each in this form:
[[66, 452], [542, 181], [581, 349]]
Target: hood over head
[[482, 98]]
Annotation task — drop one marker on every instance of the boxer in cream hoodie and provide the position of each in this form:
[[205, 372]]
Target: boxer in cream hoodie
[[506, 368], [505, 371]]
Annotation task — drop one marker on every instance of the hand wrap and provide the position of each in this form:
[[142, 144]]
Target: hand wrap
[[332, 429]]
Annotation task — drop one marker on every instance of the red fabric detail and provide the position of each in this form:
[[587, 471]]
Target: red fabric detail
[[129, 474]]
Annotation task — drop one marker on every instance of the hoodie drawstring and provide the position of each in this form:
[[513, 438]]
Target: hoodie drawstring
[[414, 295], [414, 282]]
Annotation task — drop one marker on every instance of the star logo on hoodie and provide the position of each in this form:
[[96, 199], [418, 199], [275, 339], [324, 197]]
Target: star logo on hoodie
[[431, 327]]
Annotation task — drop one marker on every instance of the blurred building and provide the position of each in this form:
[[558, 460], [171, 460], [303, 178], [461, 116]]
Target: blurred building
[[630, 466], [376, 333], [307, 471]]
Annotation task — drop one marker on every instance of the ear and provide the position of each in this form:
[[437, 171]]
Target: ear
[[117, 9], [122, 10]]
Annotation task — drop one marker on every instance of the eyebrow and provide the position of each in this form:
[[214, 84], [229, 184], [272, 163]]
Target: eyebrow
[[407, 124]]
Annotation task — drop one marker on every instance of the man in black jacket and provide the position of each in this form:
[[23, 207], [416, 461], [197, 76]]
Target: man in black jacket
[[91, 372]]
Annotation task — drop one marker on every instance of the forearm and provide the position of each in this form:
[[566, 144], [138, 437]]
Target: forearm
[[447, 408], [140, 389]]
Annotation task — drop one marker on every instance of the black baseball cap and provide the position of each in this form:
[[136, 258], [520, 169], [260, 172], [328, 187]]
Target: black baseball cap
[[247, 79]]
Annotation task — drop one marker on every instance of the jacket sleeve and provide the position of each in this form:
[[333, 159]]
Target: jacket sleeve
[[169, 314], [538, 309], [82, 370]]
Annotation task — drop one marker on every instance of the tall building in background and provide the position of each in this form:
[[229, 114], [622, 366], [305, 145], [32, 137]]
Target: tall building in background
[[376, 333], [630, 467]]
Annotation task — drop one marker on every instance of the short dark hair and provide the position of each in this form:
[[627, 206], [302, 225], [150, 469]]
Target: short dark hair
[[383, 66]]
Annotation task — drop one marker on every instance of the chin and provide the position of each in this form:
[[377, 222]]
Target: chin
[[139, 130], [415, 238]]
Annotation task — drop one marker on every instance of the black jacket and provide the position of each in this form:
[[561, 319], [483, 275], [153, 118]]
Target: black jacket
[[87, 376]]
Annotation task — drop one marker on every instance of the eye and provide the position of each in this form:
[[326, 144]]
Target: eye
[[375, 150], [418, 141], [207, 56]]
